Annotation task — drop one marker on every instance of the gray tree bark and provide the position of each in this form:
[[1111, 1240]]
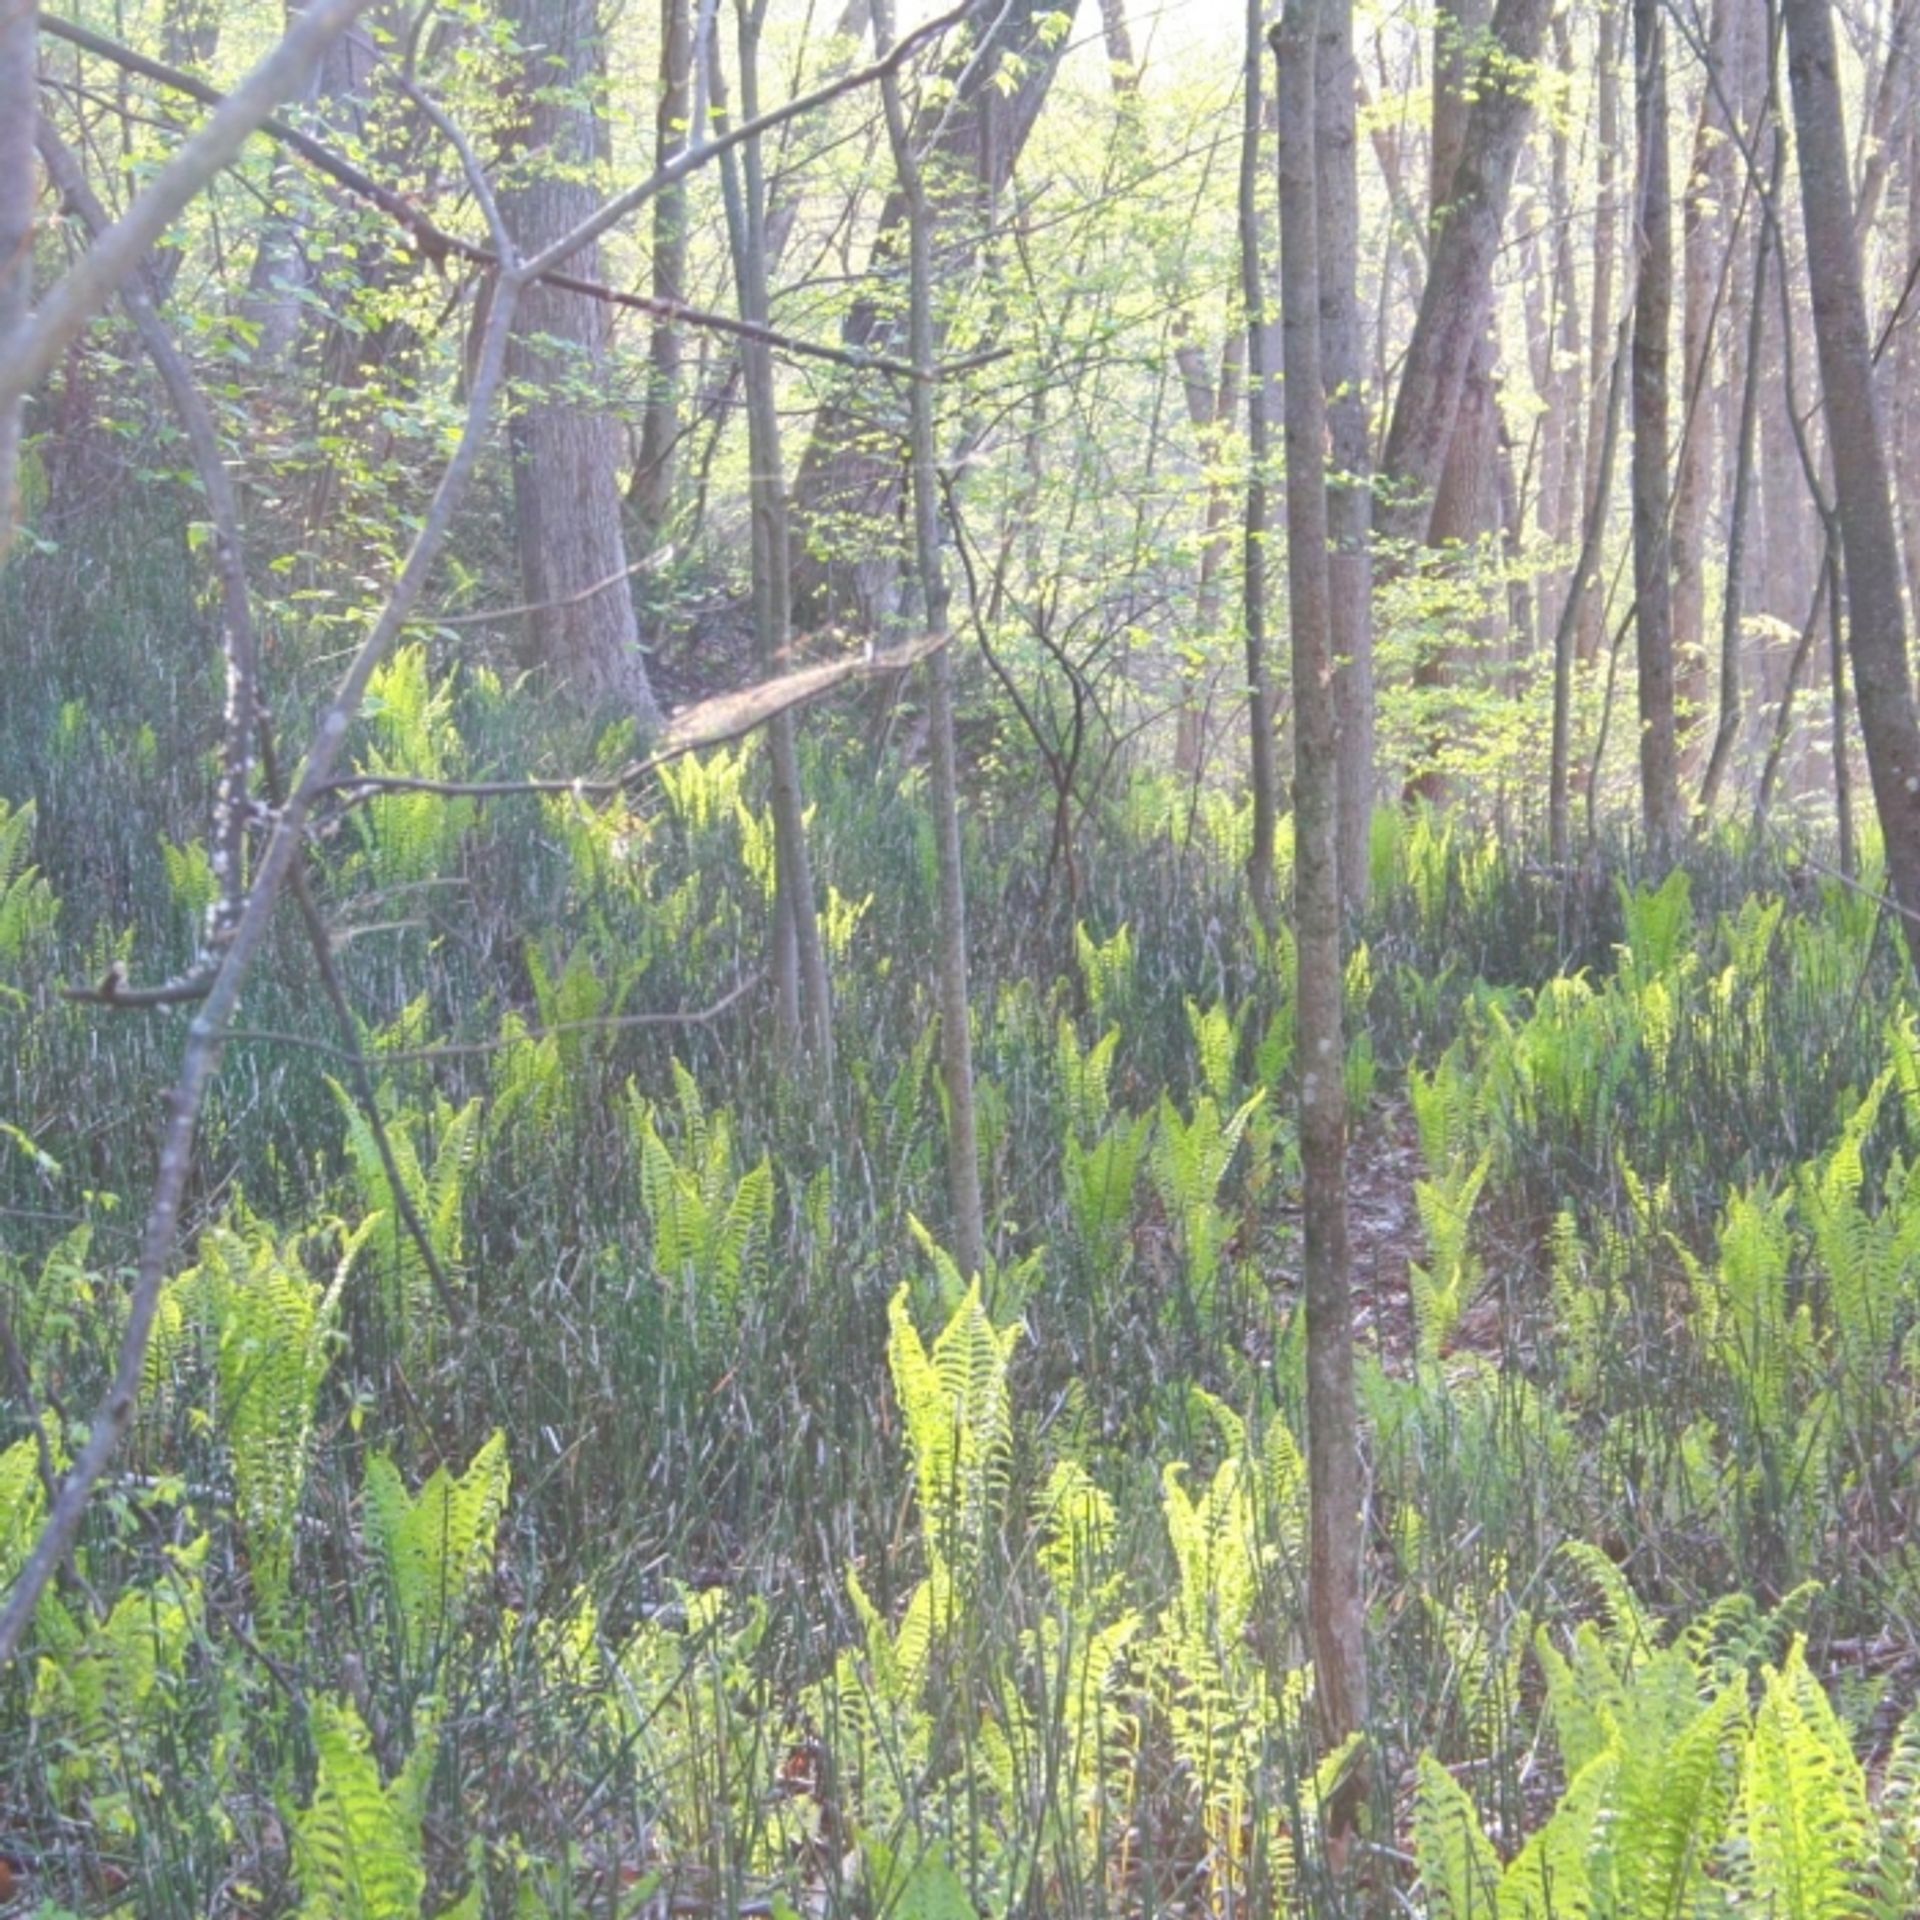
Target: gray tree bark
[[1863, 488], [1704, 238], [1262, 772], [1652, 322], [566, 451], [1600, 320], [19, 116], [1459, 290], [651, 494], [1350, 484], [1335, 1603]]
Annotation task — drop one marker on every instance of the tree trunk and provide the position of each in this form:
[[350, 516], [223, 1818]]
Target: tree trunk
[[1653, 311], [566, 452], [1335, 1606], [956, 1042], [1906, 360], [1600, 323], [847, 491], [1704, 232], [651, 493], [1459, 290], [1212, 411], [1876, 620], [801, 987], [1350, 485], [1122, 68], [19, 116], [1727, 733], [1261, 880]]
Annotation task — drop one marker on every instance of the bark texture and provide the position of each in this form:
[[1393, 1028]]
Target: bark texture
[[1336, 1616], [19, 115], [1350, 484], [1652, 324], [651, 494], [566, 450], [1876, 620], [1459, 290]]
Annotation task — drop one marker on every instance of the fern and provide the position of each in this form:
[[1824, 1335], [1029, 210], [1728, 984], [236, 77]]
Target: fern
[[1107, 971], [959, 1423], [433, 1549], [109, 1687], [1442, 1289], [1084, 1079], [710, 1223], [1100, 1180], [406, 838], [274, 1329], [1659, 926], [1804, 1831], [438, 1193], [1458, 1866], [1189, 1161], [28, 909], [357, 1843], [1216, 1045]]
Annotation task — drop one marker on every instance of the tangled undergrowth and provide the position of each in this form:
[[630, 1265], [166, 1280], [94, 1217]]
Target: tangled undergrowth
[[690, 1535]]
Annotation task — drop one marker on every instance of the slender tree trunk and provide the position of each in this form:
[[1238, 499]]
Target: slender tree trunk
[[1727, 733], [801, 987], [1905, 355], [1122, 68], [1704, 237], [1653, 308], [956, 1043], [651, 492], [1890, 117], [1335, 1605], [1876, 620], [1584, 588], [19, 116], [1459, 290], [566, 453], [1212, 409], [1261, 879], [1600, 321], [1350, 485]]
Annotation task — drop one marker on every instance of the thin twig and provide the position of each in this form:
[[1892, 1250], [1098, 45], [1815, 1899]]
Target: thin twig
[[472, 1049], [435, 243]]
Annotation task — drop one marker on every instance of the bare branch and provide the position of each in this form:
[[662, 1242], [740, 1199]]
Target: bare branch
[[471, 1049], [707, 723], [434, 242]]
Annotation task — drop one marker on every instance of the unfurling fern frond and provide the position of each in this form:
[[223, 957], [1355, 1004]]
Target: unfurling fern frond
[[357, 1843], [1805, 1831], [436, 1547], [959, 1422]]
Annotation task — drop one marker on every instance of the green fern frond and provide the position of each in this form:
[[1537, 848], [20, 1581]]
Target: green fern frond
[[1805, 1830], [357, 1844], [1458, 1867], [434, 1548]]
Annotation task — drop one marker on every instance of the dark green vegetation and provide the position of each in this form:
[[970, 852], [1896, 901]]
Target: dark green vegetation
[[714, 1538]]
